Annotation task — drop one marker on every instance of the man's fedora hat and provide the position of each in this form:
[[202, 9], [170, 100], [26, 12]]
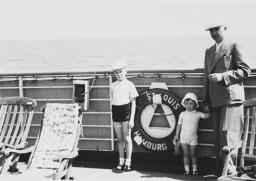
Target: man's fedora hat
[[215, 24]]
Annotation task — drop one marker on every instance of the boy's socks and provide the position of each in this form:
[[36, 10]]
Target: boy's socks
[[128, 162], [121, 161], [127, 165]]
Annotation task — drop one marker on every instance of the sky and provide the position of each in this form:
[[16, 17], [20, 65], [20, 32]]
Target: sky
[[72, 19]]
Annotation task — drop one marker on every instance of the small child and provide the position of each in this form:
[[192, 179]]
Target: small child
[[186, 131], [123, 100]]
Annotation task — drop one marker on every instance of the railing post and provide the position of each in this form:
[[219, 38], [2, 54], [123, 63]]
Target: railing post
[[111, 122], [21, 94]]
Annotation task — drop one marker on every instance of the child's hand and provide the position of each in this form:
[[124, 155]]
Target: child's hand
[[131, 124], [175, 140], [206, 108]]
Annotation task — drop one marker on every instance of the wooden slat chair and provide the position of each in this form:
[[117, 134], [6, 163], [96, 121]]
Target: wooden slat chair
[[248, 148], [57, 143], [15, 120]]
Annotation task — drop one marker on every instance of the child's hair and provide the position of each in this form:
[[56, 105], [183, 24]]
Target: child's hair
[[191, 96]]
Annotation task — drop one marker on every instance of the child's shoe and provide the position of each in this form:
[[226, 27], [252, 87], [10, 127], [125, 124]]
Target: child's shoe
[[195, 172], [186, 173]]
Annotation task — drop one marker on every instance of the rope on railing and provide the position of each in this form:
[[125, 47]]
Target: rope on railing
[[158, 75]]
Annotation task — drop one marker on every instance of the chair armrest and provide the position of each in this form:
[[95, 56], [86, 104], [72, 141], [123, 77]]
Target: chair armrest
[[69, 156], [18, 100], [59, 157], [19, 151], [20, 146]]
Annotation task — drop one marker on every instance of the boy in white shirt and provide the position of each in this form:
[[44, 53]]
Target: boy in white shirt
[[186, 131], [123, 100]]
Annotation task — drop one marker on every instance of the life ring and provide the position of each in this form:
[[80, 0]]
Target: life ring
[[155, 121]]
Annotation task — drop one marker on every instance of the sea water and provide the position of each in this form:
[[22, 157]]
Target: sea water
[[98, 54]]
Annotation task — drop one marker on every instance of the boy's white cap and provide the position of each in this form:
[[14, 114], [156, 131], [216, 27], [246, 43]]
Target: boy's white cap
[[190, 96], [118, 65]]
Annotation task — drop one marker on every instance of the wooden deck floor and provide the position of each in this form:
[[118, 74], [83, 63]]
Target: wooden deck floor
[[97, 174], [98, 166]]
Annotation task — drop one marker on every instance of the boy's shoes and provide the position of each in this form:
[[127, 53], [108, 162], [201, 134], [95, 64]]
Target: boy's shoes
[[119, 167], [127, 168], [123, 167]]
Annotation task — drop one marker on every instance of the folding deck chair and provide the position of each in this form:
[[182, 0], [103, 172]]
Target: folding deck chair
[[57, 143], [15, 120], [248, 148]]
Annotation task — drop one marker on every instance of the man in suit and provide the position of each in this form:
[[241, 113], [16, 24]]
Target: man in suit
[[224, 71]]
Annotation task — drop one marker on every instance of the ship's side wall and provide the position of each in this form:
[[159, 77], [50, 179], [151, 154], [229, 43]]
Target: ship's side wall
[[98, 131]]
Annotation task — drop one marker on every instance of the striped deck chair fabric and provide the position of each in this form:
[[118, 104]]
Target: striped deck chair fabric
[[57, 143], [15, 120]]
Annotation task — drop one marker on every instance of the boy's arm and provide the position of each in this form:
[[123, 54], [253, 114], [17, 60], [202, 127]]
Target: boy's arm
[[133, 107]]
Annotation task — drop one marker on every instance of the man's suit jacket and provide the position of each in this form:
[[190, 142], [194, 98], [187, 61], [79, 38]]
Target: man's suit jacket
[[227, 60]]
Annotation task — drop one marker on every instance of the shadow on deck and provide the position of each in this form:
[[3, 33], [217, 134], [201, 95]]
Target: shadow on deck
[[160, 162], [98, 164]]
